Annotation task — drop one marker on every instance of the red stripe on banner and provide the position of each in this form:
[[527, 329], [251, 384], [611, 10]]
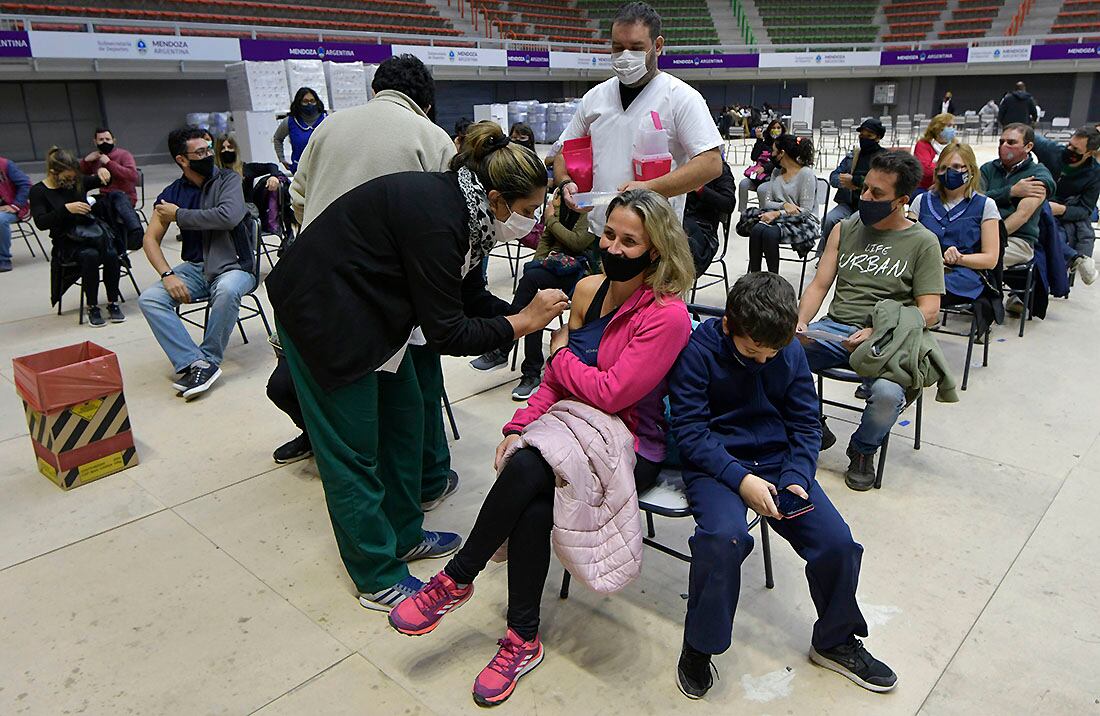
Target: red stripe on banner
[[101, 448]]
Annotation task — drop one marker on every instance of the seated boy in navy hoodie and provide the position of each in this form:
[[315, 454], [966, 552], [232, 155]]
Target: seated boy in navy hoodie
[[745, 417]]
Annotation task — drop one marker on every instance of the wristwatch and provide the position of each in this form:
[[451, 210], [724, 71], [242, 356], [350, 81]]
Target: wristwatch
[[168, 273]]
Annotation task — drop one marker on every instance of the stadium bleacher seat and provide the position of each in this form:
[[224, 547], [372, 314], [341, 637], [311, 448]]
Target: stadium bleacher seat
[[1077, 16], [971, 19], [685, 22], [911, 21], [812, 21], [375, 16]]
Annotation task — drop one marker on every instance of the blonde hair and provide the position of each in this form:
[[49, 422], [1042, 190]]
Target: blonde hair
[[510, 168], [937, 125], [967, 153], [237, 166], [674, 272], [61, 160]]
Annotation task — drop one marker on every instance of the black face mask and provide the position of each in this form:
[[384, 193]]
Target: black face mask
[[620, 268], [867, 145], [872, 212], [105, 147], [229, 157], [310, 111], [1071, 157], [203, 167]]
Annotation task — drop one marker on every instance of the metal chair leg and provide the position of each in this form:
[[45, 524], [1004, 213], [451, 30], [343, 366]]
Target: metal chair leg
[[450, 414], [260, 312], [985, 347], [765, 538], [565, 578], [920, 415], [882, 462], [649, 525], [969, 348]]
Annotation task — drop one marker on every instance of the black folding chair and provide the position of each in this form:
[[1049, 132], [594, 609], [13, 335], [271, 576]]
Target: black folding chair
[[720, 260], [26, 229], [248, 311], [140, 208]]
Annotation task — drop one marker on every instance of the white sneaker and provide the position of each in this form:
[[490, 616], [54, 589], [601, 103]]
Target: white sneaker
[[1086, 268]]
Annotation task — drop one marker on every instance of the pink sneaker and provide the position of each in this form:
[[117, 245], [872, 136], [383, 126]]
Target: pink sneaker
[[515, 658], [422, 612]]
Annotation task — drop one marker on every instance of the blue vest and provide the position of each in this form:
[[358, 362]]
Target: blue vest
[[960, 227], [299, 137]]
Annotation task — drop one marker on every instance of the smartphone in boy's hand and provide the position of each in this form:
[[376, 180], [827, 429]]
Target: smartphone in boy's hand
[[791, 505]]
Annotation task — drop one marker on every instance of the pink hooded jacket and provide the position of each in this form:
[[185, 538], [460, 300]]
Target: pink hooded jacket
[[638, 349]]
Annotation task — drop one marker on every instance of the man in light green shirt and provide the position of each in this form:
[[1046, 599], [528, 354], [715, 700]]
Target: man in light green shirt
[[876, 256]]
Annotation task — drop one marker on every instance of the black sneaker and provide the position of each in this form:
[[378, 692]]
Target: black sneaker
[[297, 449], [95, 317], [693, 673], [863, 391], [200, 379], [827, 437], [860, 475], [114, 313], [450, 489], [528, 384], [490, 361], [851, 659]]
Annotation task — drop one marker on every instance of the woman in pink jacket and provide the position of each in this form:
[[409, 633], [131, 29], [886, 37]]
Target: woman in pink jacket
[[626, 329]]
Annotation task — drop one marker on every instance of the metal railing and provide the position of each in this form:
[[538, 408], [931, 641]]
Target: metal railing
[[92, 24]]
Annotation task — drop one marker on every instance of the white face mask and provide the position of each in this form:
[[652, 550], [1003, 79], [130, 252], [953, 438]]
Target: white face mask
[[516, 227], [630, 66]]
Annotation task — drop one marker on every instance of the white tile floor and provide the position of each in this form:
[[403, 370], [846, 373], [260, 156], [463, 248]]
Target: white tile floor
[[206, 580]]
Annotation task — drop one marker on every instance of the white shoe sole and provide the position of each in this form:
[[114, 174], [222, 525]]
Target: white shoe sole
[[438, 555], [293, 460], [684, 691], [376, 607], [432, 504], [498, 366], [523, 398], [200, 389], [831, 665]]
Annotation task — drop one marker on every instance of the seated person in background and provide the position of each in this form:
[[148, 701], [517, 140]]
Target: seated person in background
[[566, 253], [119, 162], [706, 208], [625, 330], [1019, 185], [878, 256], [763, 158], [744, 414], [460, 132], [847, 178], [15, 191], [222, 276], [967, 225], [520, 133], [1074, 200], [940, 133], [265, 196], [788, 205], [59, 204]]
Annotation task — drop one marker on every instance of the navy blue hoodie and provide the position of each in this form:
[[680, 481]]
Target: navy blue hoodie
[[732, 416]]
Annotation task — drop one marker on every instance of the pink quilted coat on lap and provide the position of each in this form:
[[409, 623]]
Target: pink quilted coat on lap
[[597, 531]]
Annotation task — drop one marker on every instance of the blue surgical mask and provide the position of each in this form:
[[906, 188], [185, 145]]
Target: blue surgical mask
[[872, 212], [952, 179], [947, 135]]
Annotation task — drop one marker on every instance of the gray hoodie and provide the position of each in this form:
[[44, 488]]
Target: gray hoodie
[[225, 244]]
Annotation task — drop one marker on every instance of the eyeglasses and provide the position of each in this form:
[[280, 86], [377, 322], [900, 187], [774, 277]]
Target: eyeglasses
[[200, 153]]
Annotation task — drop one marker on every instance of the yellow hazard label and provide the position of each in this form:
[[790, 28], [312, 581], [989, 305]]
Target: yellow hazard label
[[87, 410], [100, 468], [48, 470]]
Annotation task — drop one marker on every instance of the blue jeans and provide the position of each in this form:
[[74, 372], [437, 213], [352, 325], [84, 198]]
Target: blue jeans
[[887, 398], [837, 214], [6, 220], [224, 295]]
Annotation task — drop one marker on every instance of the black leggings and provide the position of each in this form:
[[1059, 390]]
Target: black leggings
[[520, 509], [90, 260], [531, 282], [764, 243], [280, 391]]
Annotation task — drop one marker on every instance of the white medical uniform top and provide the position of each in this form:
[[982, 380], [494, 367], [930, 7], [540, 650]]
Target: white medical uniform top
[[684, 115]]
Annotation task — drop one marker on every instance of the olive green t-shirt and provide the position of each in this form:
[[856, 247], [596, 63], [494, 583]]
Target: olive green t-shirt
[[874, 265]]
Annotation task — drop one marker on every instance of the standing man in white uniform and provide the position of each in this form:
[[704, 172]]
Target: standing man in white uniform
[[613, 111]]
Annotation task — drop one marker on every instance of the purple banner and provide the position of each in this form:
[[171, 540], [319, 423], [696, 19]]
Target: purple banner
[[1065, 52], [706, 62], [925, 57], [524, 58], [332, 51], [14, 44]]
